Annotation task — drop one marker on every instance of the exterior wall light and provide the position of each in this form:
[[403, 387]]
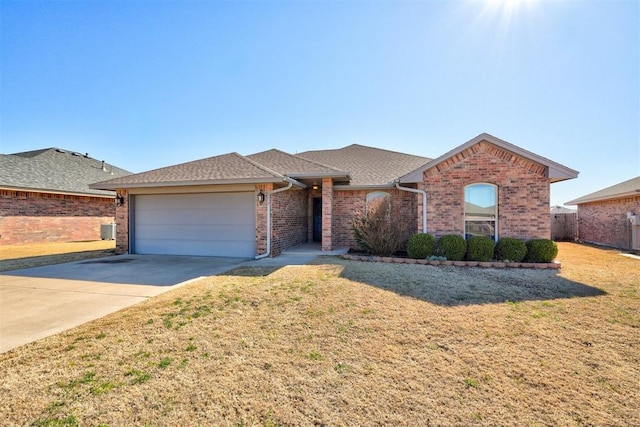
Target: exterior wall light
[[119, 200], [260, 197]]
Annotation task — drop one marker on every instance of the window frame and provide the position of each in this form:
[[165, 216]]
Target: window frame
[[468, 218]]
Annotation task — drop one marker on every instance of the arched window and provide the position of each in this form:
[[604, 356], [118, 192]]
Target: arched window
[[481, 210], [374, 195], [375, 199]]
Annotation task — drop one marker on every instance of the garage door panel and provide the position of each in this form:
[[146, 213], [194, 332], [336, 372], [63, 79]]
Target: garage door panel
[[192, 247], [192, 232], [195, 216], [210, 224]]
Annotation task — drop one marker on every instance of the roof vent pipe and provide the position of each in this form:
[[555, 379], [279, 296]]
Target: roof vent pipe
[[424, 203], [104, 167]]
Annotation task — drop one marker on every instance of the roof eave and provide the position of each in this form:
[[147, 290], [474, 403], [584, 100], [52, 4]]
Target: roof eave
[[583, 200], [311, 175], [114, 186], [364, 186], [66, 193]]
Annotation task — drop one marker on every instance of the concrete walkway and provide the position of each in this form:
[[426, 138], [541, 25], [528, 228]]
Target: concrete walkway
[[297, 255]]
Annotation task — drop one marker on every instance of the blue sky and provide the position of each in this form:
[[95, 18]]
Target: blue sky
[[145, 84]]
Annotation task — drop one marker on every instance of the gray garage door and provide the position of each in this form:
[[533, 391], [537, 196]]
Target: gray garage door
[[209, 224]]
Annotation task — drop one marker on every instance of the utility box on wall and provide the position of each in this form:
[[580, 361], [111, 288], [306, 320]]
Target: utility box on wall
[[108, 231]]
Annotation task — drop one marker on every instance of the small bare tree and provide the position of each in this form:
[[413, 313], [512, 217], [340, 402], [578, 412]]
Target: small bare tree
[[376, 231]]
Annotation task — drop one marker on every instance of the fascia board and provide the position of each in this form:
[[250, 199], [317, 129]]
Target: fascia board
[[115, 186], [66, 193], [364, 187], [583, 200]]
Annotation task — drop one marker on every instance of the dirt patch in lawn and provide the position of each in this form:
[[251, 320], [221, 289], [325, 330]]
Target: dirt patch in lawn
[[14, 257], [350, 343]]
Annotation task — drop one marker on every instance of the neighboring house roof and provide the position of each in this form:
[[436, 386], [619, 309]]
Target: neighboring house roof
[[561, 209], [368, 166], [53, 170], [556, 171], [231, 168], [294, 166], [623, 189]]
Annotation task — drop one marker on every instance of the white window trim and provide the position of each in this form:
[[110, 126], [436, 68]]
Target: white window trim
[[471, 218]]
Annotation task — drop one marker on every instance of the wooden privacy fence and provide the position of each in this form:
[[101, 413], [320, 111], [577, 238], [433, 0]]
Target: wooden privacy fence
[[564, 226]]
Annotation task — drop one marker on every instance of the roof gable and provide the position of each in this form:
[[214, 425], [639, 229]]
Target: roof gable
[[555, 171], [623, 189], [231, 168], [53, 170], [368, 166]]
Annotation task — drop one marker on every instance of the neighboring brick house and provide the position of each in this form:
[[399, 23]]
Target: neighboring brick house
[[611, 216], [45, 197], [264, 203]]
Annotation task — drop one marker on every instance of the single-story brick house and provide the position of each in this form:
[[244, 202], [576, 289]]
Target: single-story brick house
[[611, 216], [260, 204], [45, 197]]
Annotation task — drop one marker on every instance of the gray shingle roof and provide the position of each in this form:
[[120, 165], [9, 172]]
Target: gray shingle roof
[[623, 189], [294, 166], [231, 168], [367, 165], [55, 170]]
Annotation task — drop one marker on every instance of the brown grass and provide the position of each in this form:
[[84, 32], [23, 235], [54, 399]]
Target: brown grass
[[351, 343], [13, 257]]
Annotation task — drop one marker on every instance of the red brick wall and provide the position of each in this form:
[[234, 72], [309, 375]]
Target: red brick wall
[[606, 223], [404, 208], [289, 219], [523, 192], [31, 217]]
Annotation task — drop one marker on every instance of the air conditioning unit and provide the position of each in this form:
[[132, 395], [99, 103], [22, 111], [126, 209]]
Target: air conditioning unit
[[108, 231]]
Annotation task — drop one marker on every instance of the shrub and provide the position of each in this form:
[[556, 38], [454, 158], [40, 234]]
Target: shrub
[[480, 248], [510, 249], [376, 231], [452, 246], [541, 250], [421, 246]]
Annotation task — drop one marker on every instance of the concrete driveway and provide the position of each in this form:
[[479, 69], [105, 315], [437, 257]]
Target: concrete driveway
[[42, 301]]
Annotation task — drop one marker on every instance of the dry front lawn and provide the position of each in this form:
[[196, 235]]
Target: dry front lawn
[[13, 257], [351, 343]]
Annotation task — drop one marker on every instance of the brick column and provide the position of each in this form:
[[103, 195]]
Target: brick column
[[122, 223], [261, 219], [327, 213]]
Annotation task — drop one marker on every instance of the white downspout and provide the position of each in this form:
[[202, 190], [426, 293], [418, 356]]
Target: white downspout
[[269, 193], [424, 203]]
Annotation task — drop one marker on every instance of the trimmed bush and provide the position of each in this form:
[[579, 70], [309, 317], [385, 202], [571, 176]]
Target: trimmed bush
[[376, 231], [421, 246], [452, 246], [541, 250], [480, 248], [510, 249]]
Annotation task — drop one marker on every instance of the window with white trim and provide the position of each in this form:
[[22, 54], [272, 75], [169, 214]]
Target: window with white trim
[[481, 210], [374, 195]]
